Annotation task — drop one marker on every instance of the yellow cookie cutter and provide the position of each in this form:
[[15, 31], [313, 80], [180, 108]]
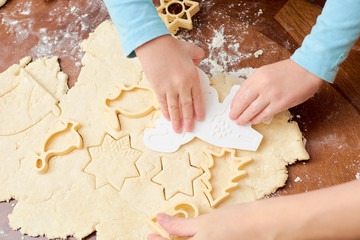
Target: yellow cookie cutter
[[183, 210], [42, 163], [114, 112], [177, 13], [233, 184]]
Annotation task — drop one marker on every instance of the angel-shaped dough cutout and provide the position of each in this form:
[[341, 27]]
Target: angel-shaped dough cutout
[[216, 128], [25, 105], [132, 102]]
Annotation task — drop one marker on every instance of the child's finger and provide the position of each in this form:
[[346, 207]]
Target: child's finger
[[198, 103], [182, 227], [263, 116], [196, 53], [252, 110], [243, 98], [155, 237], [187, 110], [163, 105], [174, 111]]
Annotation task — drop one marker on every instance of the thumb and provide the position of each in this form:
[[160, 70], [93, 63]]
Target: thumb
[[182, 227], [196, 53]]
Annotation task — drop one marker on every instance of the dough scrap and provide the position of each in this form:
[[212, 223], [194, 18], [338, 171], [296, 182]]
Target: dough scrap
[[65, 201], [2, 2]]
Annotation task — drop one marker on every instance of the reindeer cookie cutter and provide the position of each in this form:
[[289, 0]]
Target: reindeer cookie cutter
[[114, 111]]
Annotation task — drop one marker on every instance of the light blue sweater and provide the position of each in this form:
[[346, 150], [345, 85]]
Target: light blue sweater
[[336, 31]]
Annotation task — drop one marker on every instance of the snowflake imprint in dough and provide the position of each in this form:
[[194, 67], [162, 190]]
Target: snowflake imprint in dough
[[177, 176], [113, 162]]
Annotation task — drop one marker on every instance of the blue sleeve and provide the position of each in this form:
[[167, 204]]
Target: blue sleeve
[[137, 22], [331, 39]]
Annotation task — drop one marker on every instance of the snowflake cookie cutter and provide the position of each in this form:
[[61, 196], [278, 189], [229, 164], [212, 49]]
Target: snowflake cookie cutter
[[42, 163], [177, 13], [118, 94], [183, 210], [232, 184]]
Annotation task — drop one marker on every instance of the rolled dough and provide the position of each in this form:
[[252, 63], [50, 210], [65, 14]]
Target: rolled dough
[[2, 2], [81, 191]]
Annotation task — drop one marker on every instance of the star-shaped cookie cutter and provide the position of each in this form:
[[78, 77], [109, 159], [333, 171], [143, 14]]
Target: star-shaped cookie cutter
[[233, 182], [177, 13]]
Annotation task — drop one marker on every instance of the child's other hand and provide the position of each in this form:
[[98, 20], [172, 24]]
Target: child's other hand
[[242, 221], [170, 66], [272, 89]]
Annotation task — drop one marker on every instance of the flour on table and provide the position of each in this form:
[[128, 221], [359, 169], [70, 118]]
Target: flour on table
[[81, 191]]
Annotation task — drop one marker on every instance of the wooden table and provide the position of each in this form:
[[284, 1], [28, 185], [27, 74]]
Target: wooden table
[[330, 121]]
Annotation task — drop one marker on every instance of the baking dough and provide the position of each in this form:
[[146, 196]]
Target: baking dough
[[2, 2], [81, 190]]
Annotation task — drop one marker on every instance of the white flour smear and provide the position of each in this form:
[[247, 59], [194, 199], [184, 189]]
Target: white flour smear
[[52, 41]]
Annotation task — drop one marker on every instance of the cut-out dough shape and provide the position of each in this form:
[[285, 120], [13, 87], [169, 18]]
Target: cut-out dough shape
[[216, 128], [177, 176], [239, 173], [25, 105], [113, 162], [51, 148], [126, 101], [177, 13], [183, 210]]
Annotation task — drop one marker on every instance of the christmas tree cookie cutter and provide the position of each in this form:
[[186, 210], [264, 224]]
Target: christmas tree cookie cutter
[[241, 162], [183, 210], [49, 151], [177, 13], [217, 128], [137, 91]]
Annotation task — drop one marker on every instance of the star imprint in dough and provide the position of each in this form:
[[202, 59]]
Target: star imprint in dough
[[177, 176], [113, 162]]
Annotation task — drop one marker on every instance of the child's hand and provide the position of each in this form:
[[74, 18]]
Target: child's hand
[[243, 221], [272, 89], [170, 66]]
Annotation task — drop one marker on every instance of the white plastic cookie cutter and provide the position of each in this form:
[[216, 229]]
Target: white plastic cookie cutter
[[217, 128]]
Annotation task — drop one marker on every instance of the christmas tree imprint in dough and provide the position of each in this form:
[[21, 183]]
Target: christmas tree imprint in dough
[[177, 13], [183, 210], [113, 162], [54, 144], [177, 176], [17, 117], [132, 102], [228, 166]]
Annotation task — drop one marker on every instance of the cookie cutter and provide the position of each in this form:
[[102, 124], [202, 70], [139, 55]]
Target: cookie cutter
[[177, 13], [232, 184], [113, 112], [42, 163], [217, 128], [183, 210]]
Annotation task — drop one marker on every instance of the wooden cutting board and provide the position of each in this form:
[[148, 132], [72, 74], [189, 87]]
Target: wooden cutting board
[[330, 121]]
